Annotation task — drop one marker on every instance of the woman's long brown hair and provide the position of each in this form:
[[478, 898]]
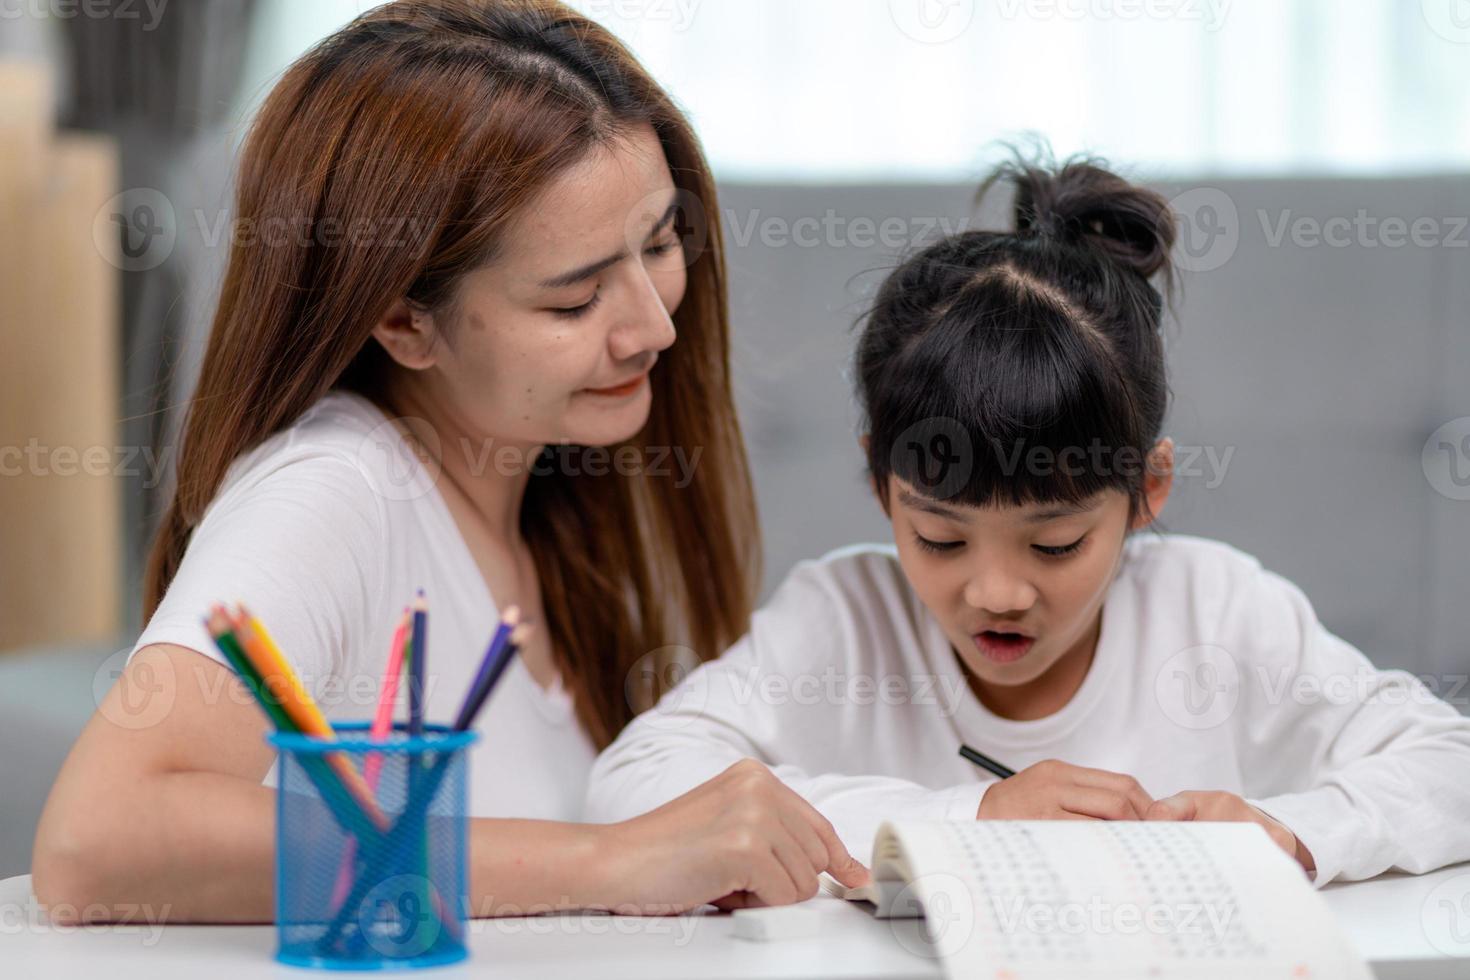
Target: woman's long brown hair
[[430, 124]]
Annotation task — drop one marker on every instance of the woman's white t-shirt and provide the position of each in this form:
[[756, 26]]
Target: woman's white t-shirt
[[326, 531]]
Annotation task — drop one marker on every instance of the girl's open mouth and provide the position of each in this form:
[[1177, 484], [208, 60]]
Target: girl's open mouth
[[1003, 648]]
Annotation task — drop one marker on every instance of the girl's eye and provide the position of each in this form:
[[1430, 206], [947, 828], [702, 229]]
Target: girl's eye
[[572, 312], [1058, 551], [662, 248], [936, 547]]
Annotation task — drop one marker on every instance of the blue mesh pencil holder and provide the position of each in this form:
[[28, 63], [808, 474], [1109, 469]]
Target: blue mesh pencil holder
[[371, 848]]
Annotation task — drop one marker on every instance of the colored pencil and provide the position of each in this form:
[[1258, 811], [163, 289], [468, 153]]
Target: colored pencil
[[419, 665], [491, 667]]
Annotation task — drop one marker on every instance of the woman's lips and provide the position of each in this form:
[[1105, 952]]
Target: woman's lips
[[622, 390], [1003, 648]]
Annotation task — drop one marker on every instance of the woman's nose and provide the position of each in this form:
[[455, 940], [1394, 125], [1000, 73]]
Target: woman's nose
[[645, 325]]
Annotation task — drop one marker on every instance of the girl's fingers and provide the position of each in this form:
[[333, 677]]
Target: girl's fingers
[[1120, 783], [1180, 806], [1104, 804], [771, 882]]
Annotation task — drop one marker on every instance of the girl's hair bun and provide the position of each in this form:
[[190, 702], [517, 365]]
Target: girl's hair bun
[[1082, 203]]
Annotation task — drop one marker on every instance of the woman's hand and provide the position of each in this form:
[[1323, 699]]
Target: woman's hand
[[741, 839], [1054, 790], [1219, 805]]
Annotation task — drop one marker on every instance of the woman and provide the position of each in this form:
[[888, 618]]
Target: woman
[[456, 252]]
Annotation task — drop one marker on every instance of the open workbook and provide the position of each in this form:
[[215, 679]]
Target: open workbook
[[1014, 899]]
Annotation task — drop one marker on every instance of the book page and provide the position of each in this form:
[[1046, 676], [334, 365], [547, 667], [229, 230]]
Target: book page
[[1008, 900]]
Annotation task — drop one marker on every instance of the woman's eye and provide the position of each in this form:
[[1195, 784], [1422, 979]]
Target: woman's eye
[[936, 546], [572, 312], [1057, 551], [662, 248]]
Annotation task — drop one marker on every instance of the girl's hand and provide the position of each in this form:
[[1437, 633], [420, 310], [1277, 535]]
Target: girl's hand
[[1054, 790], [741, 839], [1219, 805]]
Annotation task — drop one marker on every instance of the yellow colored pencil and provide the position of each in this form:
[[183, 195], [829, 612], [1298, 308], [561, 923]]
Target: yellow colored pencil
[[283, 685]]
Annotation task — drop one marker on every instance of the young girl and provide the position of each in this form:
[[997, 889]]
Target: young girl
[[1014, 391]]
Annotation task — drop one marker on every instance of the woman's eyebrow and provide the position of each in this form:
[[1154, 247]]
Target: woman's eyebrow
[[583, 273]]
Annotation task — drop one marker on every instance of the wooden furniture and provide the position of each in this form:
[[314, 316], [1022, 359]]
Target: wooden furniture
[[60, 516]]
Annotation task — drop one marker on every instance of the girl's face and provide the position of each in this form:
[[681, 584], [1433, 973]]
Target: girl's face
[[553, 341], [1017, 589]]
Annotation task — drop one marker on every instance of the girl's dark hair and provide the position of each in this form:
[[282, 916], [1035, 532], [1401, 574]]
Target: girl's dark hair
[[1025, 366]]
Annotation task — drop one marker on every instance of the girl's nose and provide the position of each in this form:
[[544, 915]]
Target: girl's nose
[[998, 592]]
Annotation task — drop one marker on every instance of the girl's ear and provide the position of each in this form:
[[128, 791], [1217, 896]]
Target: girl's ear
[[1158, 479], [409, 335]]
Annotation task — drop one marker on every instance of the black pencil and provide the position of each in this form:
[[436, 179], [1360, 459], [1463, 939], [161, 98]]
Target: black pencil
[[986, 762]]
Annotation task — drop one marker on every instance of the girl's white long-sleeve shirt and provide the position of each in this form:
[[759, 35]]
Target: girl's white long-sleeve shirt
[[1210, 673]]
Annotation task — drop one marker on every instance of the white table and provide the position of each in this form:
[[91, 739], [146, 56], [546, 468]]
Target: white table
[[1405, 926]]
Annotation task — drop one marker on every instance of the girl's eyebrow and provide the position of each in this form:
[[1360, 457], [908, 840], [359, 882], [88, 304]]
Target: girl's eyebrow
[[593, 268], [928, 505], [1060, 510]]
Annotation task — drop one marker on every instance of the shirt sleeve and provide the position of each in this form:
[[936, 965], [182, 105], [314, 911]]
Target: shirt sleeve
[[301, 543], [723, 712], [1366, 766]]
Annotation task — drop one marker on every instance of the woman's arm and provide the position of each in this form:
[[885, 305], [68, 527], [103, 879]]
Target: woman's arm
[[160, 805]]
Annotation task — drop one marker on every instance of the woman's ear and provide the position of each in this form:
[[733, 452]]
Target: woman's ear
[[409, 334], [1158, 479]]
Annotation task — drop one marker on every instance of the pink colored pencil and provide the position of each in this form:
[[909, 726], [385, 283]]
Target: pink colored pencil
[[382, 726]]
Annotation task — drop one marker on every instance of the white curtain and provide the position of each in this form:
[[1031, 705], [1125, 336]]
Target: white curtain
[[850, 90]]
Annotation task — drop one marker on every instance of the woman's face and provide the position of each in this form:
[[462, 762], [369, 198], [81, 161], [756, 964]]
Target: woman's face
[[1038, 572], [553, 340]]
